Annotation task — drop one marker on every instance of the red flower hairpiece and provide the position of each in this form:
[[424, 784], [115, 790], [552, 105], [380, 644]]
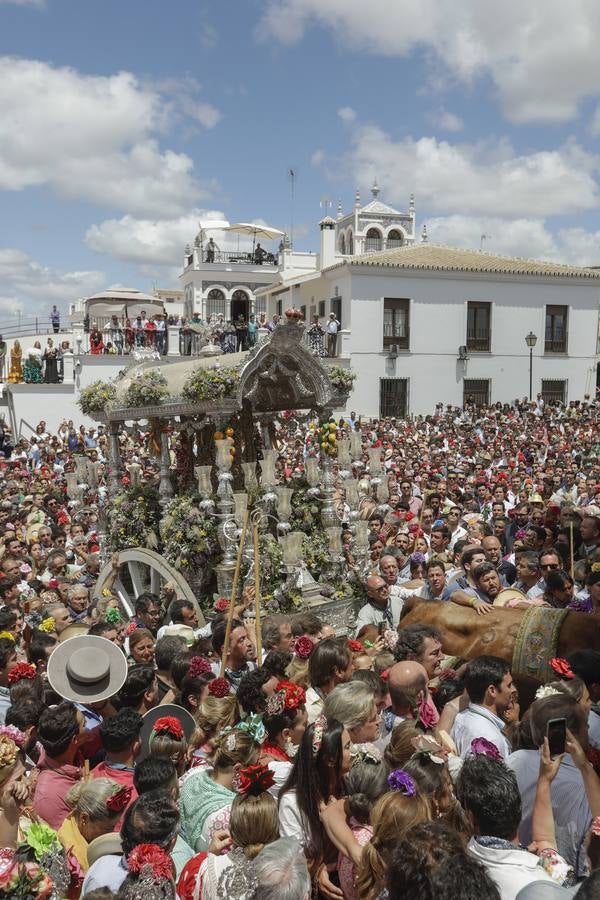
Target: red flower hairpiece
[[119, 801], [385, 675], [562, 668], [20, 671], [131, 628], [355, 646], [255, 780], [53, 584], [219, 687], [153, 856], [294, 695], [222, 604], [199, 666], [304, 647], [168, 725]]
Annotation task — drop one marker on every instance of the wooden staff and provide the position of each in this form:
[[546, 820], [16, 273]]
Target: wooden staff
[[572, 549], [234, 588], [257, 598]]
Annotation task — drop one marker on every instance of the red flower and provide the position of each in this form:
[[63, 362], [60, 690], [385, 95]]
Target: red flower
[[219, 687], [294, 695], [355, 646], [20, 671], [255, 780], [53, 584], [385, 675], [131, 628], [119, 801], [561, 667], [150, 855], [222, 604], [199, 666], [304, 647], [169, 725]]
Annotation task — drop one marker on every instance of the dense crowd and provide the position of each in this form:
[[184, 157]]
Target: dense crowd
[[163, 757]]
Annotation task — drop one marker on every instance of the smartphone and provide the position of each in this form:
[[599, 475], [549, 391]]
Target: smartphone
[[556, 732]]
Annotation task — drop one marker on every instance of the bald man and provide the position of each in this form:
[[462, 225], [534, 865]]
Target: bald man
[[407, 686], [380, 609]]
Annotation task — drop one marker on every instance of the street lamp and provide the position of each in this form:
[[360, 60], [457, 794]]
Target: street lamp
[[531, 341]]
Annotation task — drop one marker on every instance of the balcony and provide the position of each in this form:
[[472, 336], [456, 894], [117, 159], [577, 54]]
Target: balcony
[[222, 258], [558, 345], [479, 342]]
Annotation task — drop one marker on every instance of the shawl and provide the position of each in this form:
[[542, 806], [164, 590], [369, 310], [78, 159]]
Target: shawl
[[200, 798]]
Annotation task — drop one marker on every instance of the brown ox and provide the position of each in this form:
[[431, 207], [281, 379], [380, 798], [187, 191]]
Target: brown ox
[[466, 634]]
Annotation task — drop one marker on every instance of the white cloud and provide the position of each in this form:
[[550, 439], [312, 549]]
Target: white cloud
[[152, 242], [346, 114], [542, 55], [446, 120], [488, 177], [34, 287], [206, 114], [317, 157], [93, 138]]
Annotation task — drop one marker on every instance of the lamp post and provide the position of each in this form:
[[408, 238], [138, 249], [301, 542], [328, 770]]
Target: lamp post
[[531, 341]]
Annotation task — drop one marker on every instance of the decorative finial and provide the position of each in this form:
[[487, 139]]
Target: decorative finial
[[424, 237], [375, 189], [357, 198], [339, 211], [188, 249], [411, 204]]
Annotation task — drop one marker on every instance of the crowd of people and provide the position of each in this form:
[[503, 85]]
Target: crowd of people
[[166, 757]]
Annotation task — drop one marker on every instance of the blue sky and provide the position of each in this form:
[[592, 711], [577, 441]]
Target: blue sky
[[122, 123]]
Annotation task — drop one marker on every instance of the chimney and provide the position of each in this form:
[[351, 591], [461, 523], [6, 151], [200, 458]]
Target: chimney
[[327, 254]]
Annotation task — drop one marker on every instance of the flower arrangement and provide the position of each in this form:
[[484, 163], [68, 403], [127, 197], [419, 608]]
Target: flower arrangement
[[147, 389], [401, 781], [219, 687], [211, 384], [189, 537], [342, 379], [133, 520], [170, 726], [20, 671], [481, 746], [255, 780], [96, 397]]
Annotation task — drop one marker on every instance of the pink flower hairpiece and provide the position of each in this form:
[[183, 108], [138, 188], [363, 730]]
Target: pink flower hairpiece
[[318, 729], [482, 747], [15, 734]]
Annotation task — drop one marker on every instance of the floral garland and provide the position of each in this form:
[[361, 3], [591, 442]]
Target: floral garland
[[342, 379], [189, 537], [147, 389], [133, 521], [210, 384], [96, 396]]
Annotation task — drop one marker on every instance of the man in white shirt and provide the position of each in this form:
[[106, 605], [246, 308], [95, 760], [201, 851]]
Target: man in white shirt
[[332, 328], [489, 684]]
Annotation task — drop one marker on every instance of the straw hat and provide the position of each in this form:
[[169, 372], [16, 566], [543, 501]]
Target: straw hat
[[180, 630], [105, 845], [87, 669], [74, 630]]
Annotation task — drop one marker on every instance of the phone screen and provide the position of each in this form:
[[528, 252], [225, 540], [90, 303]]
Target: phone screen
[[556, 732]]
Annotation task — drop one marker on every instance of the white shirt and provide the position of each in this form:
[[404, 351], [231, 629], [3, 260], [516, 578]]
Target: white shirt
[[474, 722], [290, 818], [511, 870]]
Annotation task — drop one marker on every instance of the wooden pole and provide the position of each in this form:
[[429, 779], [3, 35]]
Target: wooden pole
[[236, 578], [572, 549], [257, 598]]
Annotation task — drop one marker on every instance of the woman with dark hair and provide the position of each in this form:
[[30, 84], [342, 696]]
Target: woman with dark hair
[[322, 760], [591, 603], [559, 589]]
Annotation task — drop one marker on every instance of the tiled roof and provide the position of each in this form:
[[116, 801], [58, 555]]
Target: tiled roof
[[438, 258]]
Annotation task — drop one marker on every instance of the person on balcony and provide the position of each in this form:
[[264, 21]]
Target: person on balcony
[[241, 333], [259, 255], [55, 320], [316, 338], [15, 376], [96, 341], [210, 251], [51, 361], [252, 331], [33, 364], [333, 326]]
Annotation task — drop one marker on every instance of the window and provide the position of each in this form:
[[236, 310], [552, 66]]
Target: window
[[476, 391], [260, 305], [394, 239], [393, 397], [556, 329], [215, 303], [478, 326], [321, 309], [554, 389], [396, 330], [336, 307], [373, 241]]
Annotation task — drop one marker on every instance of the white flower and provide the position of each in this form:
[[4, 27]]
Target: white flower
[[545, 691]]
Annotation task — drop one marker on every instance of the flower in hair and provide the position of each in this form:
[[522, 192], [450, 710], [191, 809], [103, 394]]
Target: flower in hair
[[113, 616], [427, 714], [219, 687], [222, 604], [199, 666], [25, 569], [561, 667], [426, 743], [482, 747], [15, 734], [294, 695], [318, 729], [255, 780], [596, 826], [131, 628], [47, 625], [168, 725], [53, 584], [7, 636], [275, 704], [545, 691], [154, 857], [119, 800], [401, 781], [20, 671], [595, 567], [304, 647], [253, 725], [355, 646]]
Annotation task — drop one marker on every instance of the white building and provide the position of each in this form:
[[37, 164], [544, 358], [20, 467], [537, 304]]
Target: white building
[[424, 323]]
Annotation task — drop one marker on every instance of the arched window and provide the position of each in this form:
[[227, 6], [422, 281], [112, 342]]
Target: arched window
[[239, 305], [215, 303], [342, 244], [373, 241], [350, 244], [394, 239]]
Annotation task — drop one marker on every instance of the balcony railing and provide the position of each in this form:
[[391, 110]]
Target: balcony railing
[[479, 342], [239, 257], [373, 245], [558, 345]]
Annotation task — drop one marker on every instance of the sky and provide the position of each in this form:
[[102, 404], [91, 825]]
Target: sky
[[124, 123]]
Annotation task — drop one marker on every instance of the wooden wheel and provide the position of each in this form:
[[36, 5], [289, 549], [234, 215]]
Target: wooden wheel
[[144, 570]]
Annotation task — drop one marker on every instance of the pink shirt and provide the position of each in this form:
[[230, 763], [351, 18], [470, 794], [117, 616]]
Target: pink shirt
[[53, 784], [347, 871], [121, 776]]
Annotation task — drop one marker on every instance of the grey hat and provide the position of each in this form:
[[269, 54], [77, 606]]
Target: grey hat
[[87, 669], [104, 845], [185, 719], [544, 890]]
